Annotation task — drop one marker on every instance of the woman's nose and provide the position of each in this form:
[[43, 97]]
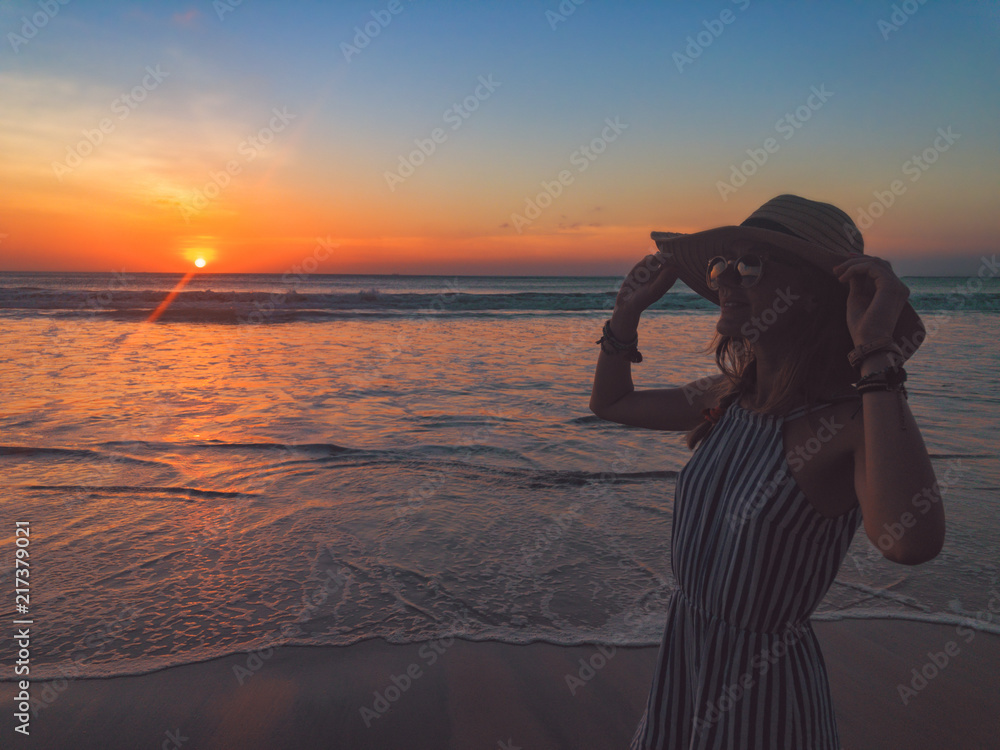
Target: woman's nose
[[730, 276]]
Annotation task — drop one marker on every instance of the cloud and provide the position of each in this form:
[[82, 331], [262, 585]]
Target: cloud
[[186, 19]]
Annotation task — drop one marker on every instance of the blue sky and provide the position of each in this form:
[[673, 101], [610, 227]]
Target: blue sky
[[688, 126]]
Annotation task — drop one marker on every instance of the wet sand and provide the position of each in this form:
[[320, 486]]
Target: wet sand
[[495, 696]]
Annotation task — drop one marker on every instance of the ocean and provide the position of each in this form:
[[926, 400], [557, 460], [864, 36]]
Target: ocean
[[323, 459]]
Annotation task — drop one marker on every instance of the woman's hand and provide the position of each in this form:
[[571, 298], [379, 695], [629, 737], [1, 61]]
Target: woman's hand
[[876, 297], [648, 280]]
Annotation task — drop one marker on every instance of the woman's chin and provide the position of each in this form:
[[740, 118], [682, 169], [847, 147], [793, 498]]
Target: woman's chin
[[727, 327]]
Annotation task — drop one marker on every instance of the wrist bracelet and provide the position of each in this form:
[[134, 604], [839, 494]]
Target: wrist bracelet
[[889, 379], [633, 354], [892, 375], [878, 387], [616, 342], [617, 346], [862, 352]]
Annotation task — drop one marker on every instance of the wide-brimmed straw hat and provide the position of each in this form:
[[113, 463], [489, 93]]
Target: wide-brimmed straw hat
[[817, 233]]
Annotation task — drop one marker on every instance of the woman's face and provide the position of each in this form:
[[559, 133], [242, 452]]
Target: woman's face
[[785, 291]]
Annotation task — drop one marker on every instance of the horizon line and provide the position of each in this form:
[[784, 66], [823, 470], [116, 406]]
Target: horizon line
[[408, 275]]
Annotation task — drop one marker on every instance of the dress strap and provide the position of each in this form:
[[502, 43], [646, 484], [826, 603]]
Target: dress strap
[[810, 408]]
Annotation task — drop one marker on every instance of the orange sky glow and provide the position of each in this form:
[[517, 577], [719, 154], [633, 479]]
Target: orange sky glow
[[173, 140]]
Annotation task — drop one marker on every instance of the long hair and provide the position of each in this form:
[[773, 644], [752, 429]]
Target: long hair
[[814, 361]]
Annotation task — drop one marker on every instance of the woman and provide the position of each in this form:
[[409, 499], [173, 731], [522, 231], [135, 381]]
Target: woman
[[804, 434]]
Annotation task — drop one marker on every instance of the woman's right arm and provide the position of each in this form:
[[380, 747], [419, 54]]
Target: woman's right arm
[[614, 397]]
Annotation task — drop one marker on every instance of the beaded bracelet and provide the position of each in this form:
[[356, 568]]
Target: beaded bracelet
[[617, 345]]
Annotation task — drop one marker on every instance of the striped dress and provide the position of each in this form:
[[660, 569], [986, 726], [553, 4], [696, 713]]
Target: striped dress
[[739, 666]]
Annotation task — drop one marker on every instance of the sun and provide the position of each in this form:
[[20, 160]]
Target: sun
[[200, 251]]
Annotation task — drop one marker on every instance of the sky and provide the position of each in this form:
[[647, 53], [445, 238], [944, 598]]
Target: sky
[[522, 138]]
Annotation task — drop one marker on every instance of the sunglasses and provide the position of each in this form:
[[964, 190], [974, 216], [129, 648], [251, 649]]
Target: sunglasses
[[750, 268]]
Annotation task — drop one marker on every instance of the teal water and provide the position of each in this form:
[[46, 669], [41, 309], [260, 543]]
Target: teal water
[[199, 488]]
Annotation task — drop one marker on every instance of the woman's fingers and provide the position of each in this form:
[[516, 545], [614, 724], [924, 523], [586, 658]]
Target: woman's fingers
[[876, 295], [644, 270], [648, 280], [666, 274], [877, 266], [650, 269], [875, 269]]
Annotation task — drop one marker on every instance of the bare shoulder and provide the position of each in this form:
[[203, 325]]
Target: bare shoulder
[[821, 448], [840, 423]]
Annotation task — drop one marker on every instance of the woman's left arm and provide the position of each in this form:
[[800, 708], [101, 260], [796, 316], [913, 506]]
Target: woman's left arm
[[894, 480]]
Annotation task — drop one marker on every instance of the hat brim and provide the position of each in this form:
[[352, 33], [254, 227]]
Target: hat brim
[[690, 253]]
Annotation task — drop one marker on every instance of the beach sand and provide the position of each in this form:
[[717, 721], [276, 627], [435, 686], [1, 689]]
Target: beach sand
[[489, 696]]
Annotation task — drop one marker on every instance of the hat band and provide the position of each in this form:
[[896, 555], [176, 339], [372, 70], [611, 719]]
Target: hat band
[[774, 226]]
